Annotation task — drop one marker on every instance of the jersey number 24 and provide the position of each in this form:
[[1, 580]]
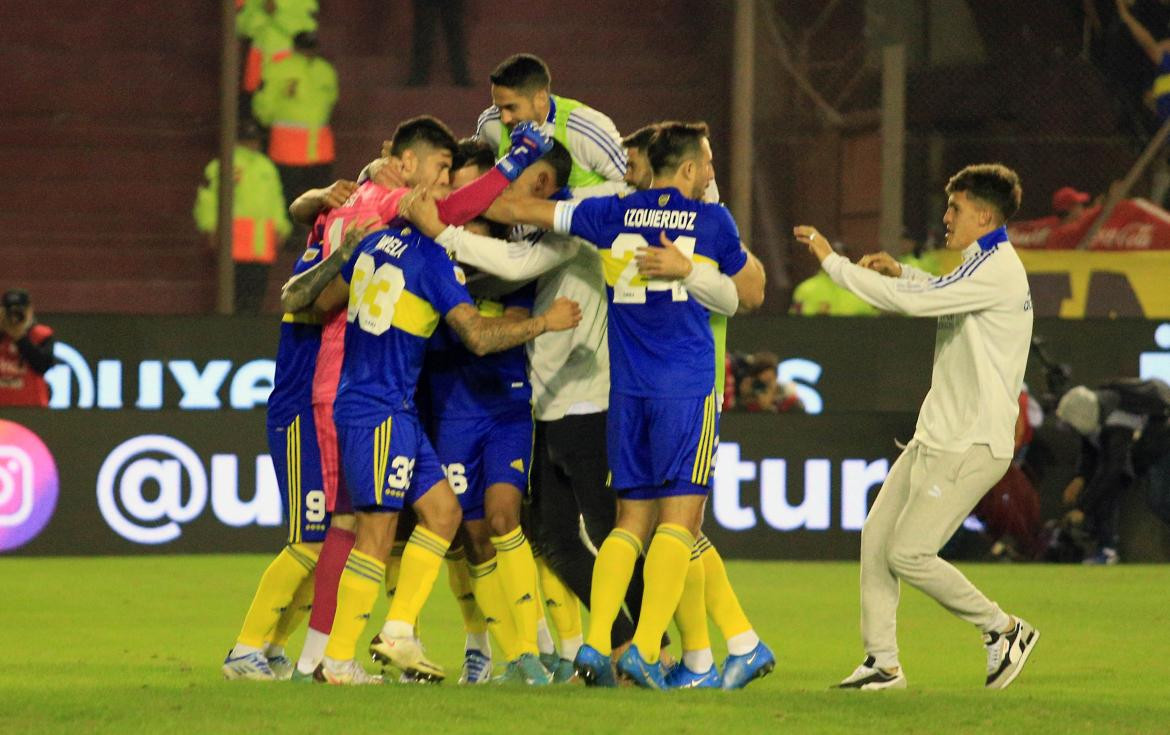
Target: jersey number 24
[[631, 287]]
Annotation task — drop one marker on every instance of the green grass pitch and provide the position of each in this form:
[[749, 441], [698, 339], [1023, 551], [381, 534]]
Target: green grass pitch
[[135, 644]]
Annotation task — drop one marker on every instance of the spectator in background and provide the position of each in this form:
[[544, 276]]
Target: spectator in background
[[260, 221], [269, 26], [1068, 204], [1125, 430], [759, 389], [919, 253], [428, 14], [295, 103], [26, 353], [1157, 51]]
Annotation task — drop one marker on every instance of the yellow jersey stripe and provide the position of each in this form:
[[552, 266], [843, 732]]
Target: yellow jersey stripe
[[414, 315], [697, 467], [294, 475], [301, 317], [709, 449]]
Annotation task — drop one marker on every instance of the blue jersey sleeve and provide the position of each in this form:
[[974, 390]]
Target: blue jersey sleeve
[[442, 282], [726, 249], [594, 218]]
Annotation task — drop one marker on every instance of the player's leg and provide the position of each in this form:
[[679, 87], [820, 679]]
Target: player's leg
[[488, 588], [335, 549], [681, 461], [366, 456], [416, 468], [748, 657], [944, 487], [291, 619], [565, 610], [880, 590], [298, 474], [573, 469], [477, 650], [697, 669]]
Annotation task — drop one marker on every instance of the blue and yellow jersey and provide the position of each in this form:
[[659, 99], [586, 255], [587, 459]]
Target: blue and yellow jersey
[[296, 354], [463, 385], [401, 284], [660, 340]]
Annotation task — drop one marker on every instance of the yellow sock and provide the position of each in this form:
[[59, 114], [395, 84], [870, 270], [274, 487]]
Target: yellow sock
[[562, 604], [459, 578], [722, 604], [691, 615], [292, 616], [489, 594], [277, 586], [611, 576], [421, 560], [394, 568], [517, 571], [357, 591], [667, 562]]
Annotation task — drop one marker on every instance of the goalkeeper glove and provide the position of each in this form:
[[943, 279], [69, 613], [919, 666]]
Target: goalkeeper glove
[[528, 145]]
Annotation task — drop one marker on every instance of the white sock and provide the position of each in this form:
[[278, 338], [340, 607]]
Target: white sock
[[313, 651], [242, 650], [544, 639], [570, 646], [698, 662], [397, 629], [479, 642], [738, 645], [273, 651]]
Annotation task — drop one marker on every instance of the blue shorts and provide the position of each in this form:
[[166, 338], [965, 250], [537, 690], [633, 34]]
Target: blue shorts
[[481, 451], [297, 461], [659, 447], [389, 465]]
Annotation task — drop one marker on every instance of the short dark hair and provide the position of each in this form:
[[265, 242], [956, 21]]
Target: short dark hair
[[674, 142], [993, 183], [562, 162], [522, 71], [640, 138], [423, 129], [473, 152]]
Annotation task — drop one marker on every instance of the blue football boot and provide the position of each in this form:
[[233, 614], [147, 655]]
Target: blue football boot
[[641, 672], [680, 677], [738, 671], [593, 667]]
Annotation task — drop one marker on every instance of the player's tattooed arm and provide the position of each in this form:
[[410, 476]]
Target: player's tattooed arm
[[484, 335], [307, 206], [301, 290]]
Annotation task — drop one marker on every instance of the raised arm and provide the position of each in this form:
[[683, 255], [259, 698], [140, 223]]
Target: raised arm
[[307, 206], [484, 335]]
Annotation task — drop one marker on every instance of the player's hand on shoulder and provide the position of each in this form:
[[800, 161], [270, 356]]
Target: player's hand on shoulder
[[666, 262], [528, 135], [528, 145], [883, 263], [338, 193], [355, 232], [563, 314], [385, 173]]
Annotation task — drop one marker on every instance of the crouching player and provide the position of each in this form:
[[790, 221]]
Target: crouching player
[[398, 286]]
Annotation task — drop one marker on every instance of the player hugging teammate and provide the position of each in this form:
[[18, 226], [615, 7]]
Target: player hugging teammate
[[577, 345]]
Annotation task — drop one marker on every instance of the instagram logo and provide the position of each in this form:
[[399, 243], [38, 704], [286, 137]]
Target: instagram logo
[[28, 485]]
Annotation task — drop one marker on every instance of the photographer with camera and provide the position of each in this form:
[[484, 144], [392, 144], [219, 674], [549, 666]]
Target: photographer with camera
[[26, 353]]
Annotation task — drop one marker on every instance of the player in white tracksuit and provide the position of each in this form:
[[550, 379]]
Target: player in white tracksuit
[[963, 442]]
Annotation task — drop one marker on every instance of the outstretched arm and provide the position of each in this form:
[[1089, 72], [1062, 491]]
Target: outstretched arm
[[484, 335]]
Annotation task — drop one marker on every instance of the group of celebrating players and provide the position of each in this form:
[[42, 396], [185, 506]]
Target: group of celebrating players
[[502, 352]]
